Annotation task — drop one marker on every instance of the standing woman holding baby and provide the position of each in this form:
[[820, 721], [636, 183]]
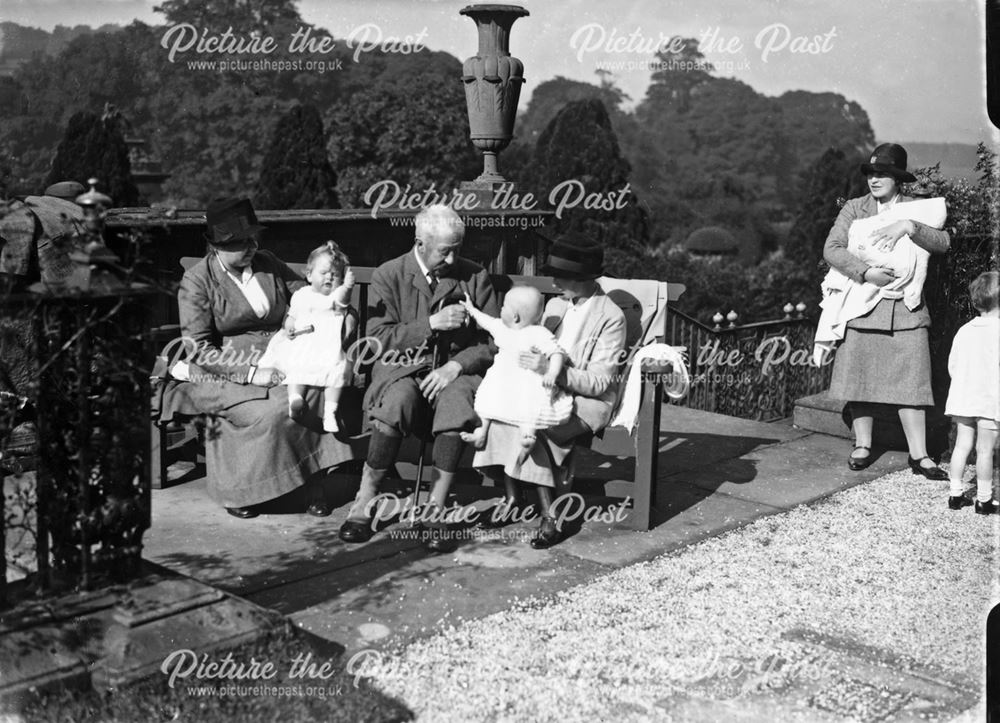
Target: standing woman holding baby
[[885, 355]]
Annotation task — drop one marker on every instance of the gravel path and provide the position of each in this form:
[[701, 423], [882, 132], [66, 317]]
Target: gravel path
[[885, 566]]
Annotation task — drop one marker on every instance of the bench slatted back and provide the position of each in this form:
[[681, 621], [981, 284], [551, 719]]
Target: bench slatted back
[[643, 302]]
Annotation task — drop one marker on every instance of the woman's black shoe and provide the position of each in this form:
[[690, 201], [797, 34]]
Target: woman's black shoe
[[934, 473], [859, 463], [548, 535], [986, 508], [244, 513], [957, 502]]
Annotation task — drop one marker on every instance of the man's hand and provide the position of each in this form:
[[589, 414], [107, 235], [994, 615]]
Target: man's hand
[[435, 382], [266, 377], [879, 276], [886, 237], [450, 317], [533, 361]]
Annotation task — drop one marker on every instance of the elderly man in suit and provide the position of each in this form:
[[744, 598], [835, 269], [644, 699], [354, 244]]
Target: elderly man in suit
[[430, 362]]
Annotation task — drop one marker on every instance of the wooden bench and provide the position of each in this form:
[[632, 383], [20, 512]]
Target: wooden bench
[[645, 306]]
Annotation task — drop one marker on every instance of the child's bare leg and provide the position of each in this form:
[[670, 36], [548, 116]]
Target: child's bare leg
[[986, 439], [529, 435], [965, 435], [296, 404], [478, 436], [331, 401]]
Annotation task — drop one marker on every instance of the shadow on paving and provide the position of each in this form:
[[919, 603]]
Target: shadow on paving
[[680, 452]]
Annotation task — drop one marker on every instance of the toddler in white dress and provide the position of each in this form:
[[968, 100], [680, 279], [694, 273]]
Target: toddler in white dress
[[508, 393], [974, 396], [309, 350]]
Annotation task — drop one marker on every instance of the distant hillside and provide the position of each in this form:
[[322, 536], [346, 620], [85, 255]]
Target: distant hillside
[[18, 43], [957, 159]]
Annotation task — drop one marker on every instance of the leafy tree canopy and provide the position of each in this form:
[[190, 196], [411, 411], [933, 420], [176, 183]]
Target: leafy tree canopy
[[408, 126]]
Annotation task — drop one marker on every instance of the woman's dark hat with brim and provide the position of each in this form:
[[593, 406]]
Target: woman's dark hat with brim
[[231, 221], [574, 256], [889, 158]]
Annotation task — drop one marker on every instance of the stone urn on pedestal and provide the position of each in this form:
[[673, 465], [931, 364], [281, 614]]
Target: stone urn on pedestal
[[492, 81]]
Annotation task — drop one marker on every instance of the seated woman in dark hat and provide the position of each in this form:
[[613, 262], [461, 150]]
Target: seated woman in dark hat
[[591, 329], [230, 304]]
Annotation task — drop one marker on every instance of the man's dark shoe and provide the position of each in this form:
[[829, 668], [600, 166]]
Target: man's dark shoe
[[355, 531], [244, 513], [441, 540], [319, 508], [987, 508]]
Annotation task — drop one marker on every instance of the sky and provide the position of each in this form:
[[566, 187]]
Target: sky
[[916, 66]]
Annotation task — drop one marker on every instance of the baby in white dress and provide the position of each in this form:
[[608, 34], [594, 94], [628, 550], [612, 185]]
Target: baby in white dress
[[509, 393], [309, 350]]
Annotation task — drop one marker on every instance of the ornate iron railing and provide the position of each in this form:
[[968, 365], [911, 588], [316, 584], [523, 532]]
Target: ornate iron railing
[[754, 371], [80, 518]]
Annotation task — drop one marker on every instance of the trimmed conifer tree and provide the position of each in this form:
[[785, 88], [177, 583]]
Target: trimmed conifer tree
[[296, 172], [94, 147], [579, 146]]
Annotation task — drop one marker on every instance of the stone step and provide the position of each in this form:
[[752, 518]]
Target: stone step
[[109, 638], [824, 414]]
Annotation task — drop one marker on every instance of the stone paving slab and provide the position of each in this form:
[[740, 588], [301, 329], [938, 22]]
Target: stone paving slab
[[481, 578], [691, 514], [791, 473]]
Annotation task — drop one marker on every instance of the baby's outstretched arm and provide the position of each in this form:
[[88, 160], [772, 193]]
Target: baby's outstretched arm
[[342, 294], [494, 326], [556, 362]]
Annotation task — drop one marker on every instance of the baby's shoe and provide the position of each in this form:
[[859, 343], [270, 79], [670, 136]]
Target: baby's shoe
[[330, 421]]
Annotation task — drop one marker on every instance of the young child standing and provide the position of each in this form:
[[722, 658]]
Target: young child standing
[[309, 351], [974, 397], [509, 393]]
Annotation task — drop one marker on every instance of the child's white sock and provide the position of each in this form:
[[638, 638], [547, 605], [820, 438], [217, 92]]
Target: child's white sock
[[957, 487], [984, 490]]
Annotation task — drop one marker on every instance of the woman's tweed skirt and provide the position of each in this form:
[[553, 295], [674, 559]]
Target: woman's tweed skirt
[[888, 367]]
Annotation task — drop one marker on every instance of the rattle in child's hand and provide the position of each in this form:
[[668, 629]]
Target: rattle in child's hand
[[467, 303], [292, 333]]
